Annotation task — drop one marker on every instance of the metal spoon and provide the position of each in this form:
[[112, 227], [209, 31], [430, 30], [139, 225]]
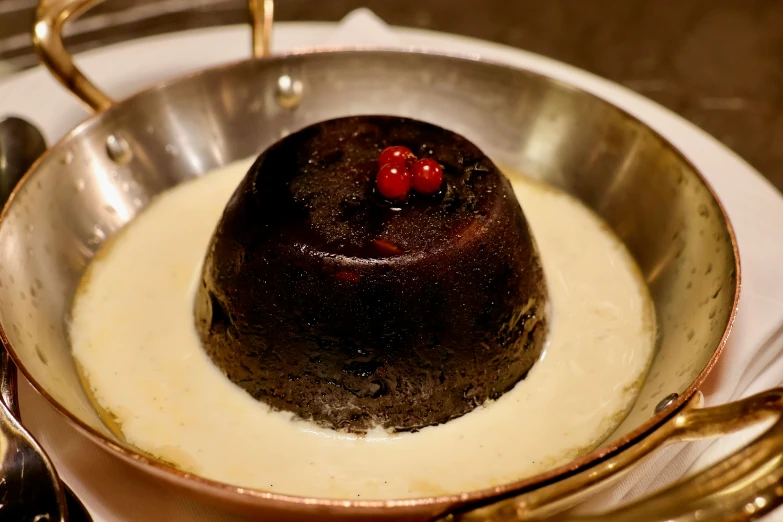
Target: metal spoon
[[21, 143], [30, 489]]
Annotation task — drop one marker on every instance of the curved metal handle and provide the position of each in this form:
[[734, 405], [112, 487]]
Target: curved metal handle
[[262, 14], [31, 488], [742, 487], [8, 383], [52, 15]]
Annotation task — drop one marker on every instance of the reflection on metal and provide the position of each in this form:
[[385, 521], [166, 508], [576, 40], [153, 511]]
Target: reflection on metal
[[118, 149], [289, 92], [666, 402]]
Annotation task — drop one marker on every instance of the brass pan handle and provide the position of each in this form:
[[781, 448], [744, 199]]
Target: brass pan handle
[[262, 13], [52, 15], [744, 486]]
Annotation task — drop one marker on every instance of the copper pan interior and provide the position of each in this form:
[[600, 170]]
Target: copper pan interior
[[81, 193]]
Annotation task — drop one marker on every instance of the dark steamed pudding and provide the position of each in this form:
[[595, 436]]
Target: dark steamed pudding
[[321, 297]]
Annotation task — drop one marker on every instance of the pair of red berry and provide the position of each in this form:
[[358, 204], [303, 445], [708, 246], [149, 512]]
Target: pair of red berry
[[400, 171]]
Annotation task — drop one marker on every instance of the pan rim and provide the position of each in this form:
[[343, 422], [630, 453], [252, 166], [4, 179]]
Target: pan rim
[[437, 503]]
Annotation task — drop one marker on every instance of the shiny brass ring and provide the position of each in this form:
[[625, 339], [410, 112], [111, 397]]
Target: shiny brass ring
[[51, 17]]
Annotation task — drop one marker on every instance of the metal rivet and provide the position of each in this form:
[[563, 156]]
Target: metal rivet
[[665, 402], [118, 149], [289, 92]]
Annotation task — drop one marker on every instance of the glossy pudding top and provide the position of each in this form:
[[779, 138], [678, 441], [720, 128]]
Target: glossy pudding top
[[318, 189]]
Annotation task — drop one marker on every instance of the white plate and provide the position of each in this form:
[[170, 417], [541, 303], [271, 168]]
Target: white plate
[[114, 491]]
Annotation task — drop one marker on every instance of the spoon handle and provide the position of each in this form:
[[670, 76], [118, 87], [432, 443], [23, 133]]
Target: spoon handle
[[24, 465], [76, 512], [8, 383]]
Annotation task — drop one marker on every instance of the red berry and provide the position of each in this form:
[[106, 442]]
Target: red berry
[[396, 155], [394, 181], [427, 176]]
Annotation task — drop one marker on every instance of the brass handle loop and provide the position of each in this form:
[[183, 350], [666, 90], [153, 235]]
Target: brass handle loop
[[744, 486], [52, 15]]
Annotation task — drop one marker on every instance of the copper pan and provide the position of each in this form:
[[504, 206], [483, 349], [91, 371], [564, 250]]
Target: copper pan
[[105, 171]]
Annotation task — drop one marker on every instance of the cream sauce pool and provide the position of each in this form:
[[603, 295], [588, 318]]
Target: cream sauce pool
[[133, 337]]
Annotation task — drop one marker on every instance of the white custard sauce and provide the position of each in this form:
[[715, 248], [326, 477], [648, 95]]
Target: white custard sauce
[[134, 339]]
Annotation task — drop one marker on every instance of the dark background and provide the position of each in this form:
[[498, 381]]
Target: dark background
[[718, 63]]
